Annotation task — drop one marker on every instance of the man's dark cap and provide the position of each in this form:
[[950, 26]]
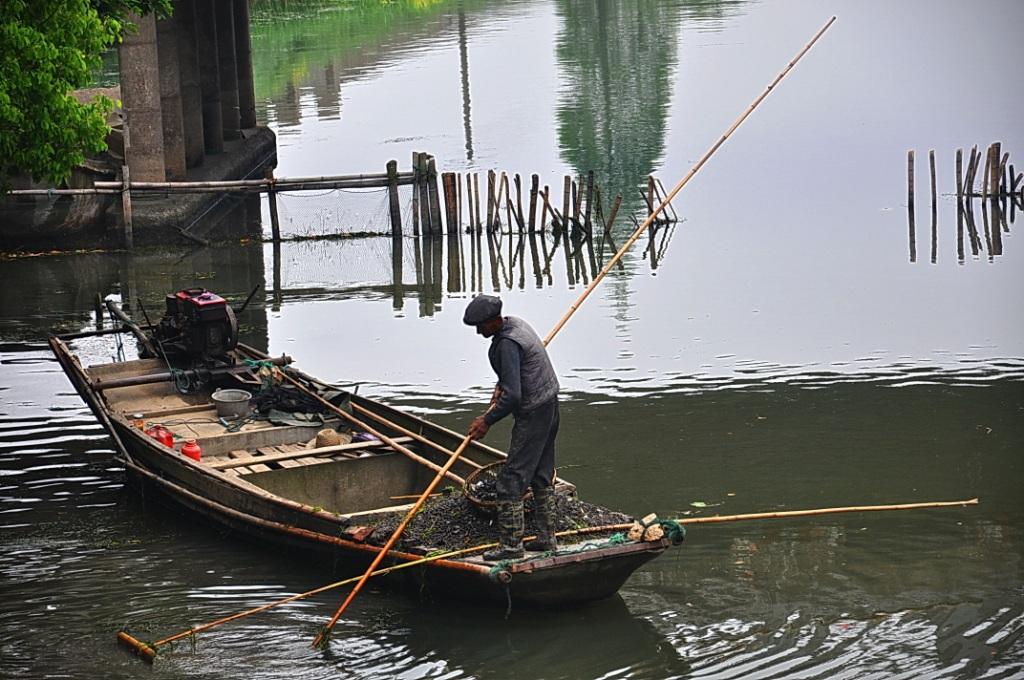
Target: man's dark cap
[[481, 308]]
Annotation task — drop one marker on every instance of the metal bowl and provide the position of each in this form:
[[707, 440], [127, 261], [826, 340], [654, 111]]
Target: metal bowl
[[232, 403]]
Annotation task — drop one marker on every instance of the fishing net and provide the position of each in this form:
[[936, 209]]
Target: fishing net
[[336, 212]]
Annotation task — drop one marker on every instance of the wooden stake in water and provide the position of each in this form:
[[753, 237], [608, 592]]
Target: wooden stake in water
[[959, 176], [415, 194], [912, 237], [534, 187], [490, 201], [126, 207], [476, 200], [558, 326], [931, 164], [393, 205]]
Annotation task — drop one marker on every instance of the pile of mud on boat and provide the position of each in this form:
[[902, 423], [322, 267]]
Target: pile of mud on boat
[[272, 454]]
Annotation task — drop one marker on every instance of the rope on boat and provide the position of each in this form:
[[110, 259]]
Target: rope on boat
[[675, 531]]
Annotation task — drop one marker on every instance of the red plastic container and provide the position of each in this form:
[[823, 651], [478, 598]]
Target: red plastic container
[[162, 435], [191, 450]]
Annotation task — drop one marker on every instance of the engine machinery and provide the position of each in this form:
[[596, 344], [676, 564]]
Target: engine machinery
[[198, 326]]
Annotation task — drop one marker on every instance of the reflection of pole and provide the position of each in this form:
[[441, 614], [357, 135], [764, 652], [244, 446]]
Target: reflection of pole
[[493, 257], [988, 233], [997, 226], [418, 264], [476, 200], [536, 261], [972, 228], [454, 263], [435, 275], [464, 70], [547, 257], [960, 232], [568, 257], [590, 255], [277, 276], [397, 289]]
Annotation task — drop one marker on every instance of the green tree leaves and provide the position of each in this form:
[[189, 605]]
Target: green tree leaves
[[48, 48]]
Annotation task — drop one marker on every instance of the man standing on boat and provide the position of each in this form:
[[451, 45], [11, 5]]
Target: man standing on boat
[[528, 389]]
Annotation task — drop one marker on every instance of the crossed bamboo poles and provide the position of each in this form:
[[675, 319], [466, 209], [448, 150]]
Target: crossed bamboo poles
[[455, 456], [149, 650]]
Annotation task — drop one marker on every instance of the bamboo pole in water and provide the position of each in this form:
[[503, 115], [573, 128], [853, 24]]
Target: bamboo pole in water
[[972, 168], [490, 201], [959, 176], [476, 200], [612, 214], [910, 183], [534, 188], [931, 165], [148, 651], [984, 179], [995, 173]]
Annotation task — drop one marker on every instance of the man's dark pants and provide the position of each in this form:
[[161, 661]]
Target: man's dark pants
[[531, 455]]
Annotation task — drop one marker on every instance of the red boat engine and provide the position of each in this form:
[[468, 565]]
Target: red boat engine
[[197, 324]]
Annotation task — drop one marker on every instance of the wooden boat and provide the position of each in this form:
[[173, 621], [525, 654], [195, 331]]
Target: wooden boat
[[273, 484]]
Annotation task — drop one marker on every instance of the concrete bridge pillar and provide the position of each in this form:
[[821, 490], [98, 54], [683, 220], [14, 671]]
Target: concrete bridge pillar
[[140, 99], [170, 99], [191, 92], [209, 75], [243, 52], [228, 68]]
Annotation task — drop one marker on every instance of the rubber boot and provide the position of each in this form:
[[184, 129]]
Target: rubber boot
[[544, 518], [510, 528]]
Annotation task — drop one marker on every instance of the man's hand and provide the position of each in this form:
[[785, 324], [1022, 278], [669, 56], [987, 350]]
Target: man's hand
[[478, 428]]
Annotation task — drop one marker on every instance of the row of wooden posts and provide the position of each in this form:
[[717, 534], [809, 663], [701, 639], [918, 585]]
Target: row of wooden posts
[[999, 177], [582, 205], [1001, 192]]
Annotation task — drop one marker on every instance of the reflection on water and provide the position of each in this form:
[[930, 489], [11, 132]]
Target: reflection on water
[[987, 241], [778, 352], [617, 60], [897, 595], [432, 269]]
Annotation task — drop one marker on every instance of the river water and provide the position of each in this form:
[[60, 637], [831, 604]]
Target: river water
[[792, 342]]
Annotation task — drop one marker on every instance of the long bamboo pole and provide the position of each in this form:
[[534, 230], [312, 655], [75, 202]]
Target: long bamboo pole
[[322, 636], [147, 651], [683, 182]]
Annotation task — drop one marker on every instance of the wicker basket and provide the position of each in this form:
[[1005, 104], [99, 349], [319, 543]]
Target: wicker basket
[[480, 487]]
